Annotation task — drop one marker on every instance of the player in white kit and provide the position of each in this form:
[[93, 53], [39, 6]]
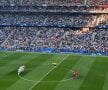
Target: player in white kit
[[21, 69]]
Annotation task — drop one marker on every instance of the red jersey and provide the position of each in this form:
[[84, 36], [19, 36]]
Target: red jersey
[[75, 73]]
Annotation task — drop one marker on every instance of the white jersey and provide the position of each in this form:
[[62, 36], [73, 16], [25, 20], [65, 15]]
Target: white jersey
[[21, 69]]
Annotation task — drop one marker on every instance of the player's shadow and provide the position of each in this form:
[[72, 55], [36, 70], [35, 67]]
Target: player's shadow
[[79, 76], [24, 73]]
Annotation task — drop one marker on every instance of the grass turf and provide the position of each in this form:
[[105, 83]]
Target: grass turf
[[40, 74]]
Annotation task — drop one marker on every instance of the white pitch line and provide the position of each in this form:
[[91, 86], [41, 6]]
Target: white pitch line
[[26, 79], [47, 73], [44, 81]]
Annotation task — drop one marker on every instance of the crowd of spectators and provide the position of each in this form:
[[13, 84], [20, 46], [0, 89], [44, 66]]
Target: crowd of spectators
[[71, 7], [41, 2], [49, 8], [4, 33], [72, 20], [24, 38], [52, 2], [57, 38], [95, 40], [97, 2], [19, 37]]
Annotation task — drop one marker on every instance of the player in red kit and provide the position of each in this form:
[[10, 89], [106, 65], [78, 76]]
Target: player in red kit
[[75, 74]]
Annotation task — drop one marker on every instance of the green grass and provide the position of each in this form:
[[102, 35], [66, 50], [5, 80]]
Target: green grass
[[40, 74]]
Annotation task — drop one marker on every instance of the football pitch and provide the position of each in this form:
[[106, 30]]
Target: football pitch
[[40, 74]]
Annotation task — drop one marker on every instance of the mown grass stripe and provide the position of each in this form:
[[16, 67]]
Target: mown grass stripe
[[35, 62], [105, 87], [83, 66], [96, 76], [4, 55], [9, 58], [36, 73], [56, 75], [12, 76], [44, 68], [9, 73], [11, 66], [33, 87], [7, 79]]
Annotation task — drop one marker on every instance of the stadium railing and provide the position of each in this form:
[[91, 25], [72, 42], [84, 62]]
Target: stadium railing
[[53, 50]]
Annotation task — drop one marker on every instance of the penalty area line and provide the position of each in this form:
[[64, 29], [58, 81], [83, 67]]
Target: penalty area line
[[29, 80], [47, 74], [26, 79], [43, 81]]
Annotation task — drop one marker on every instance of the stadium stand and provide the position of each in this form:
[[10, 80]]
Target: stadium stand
[[52, 2], [53, 39], [54, 26]]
